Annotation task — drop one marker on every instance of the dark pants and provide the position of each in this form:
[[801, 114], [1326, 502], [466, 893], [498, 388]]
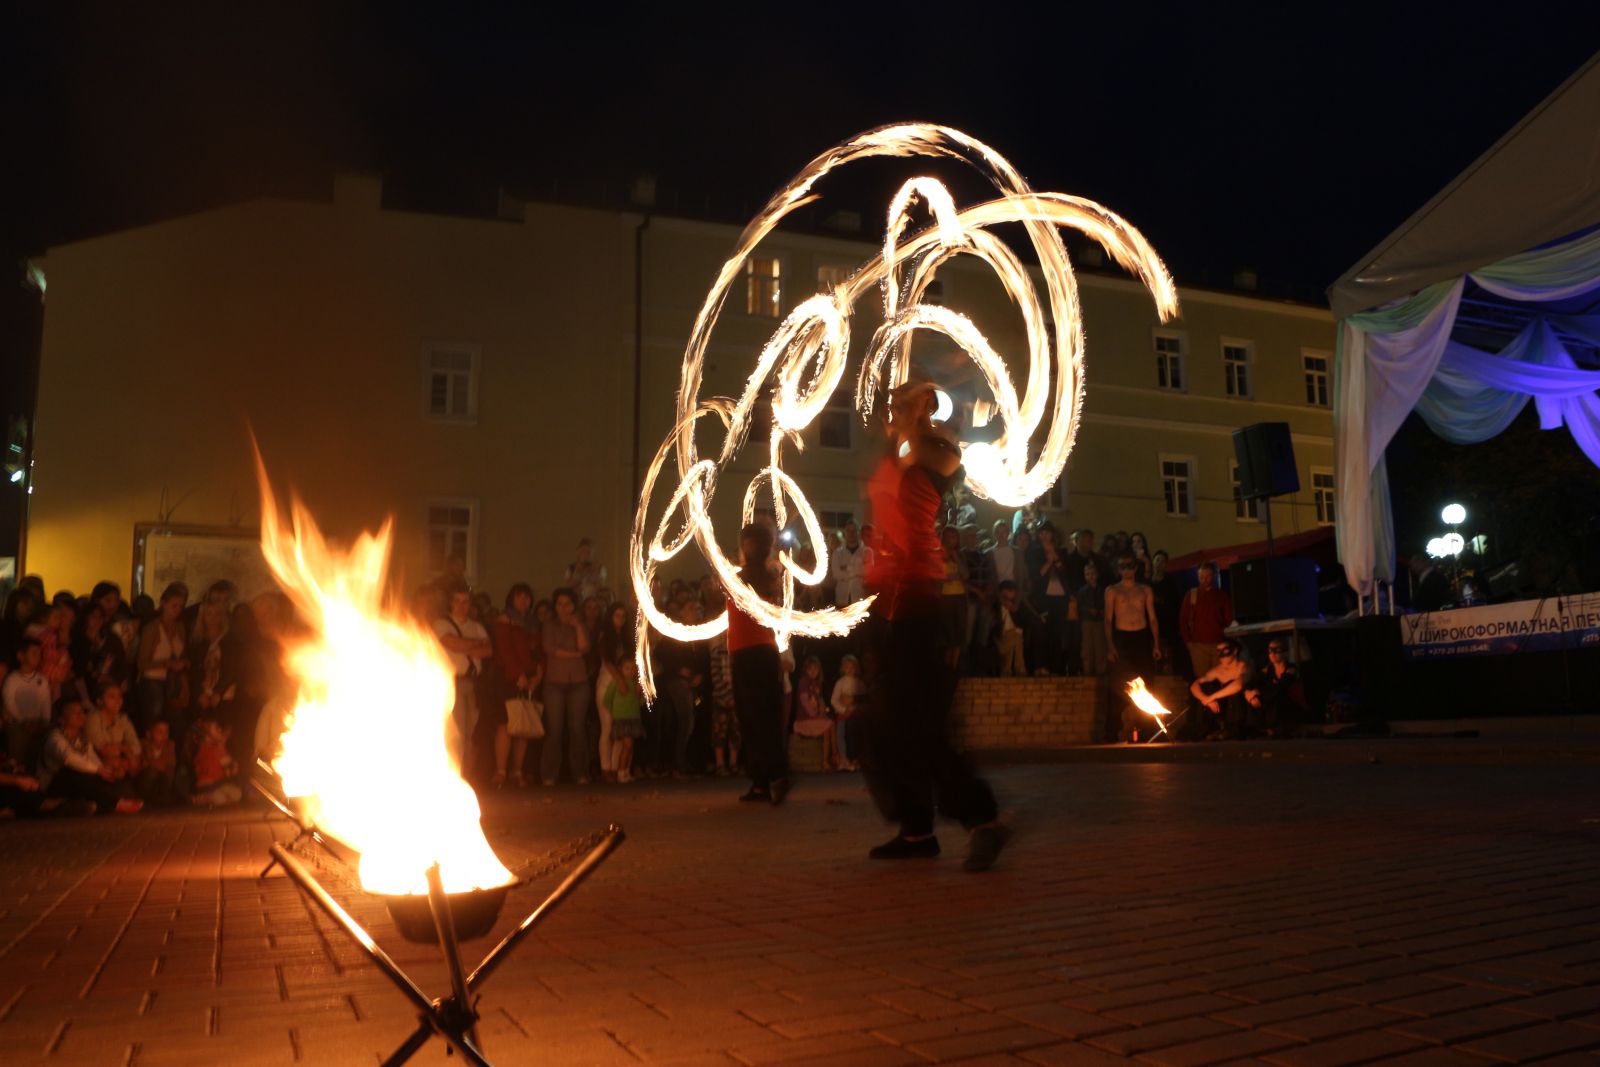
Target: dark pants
[[912, 768], [565, 706], [758, 701], [1058, 637], [1135, 659], [69, 784], [680, 698]]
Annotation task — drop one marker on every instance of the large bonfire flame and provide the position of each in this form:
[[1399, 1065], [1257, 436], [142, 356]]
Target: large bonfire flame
[[366, 746], [1146, 702]]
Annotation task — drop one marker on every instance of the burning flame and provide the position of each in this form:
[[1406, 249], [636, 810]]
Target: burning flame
[[1146, 702], [808, 353], [367, 745]]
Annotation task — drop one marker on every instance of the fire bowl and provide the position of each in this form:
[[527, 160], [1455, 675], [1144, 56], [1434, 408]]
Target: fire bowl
[[474, 913]]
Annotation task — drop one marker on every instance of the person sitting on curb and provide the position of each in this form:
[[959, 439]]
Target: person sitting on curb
[[1220, 691]]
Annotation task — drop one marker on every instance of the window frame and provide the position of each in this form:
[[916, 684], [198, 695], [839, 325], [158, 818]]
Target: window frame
[[846, 410], [753, 281], [1248, 364], [474, 376], [1326, 515], [474, 530], [1244, 510], [1163, 359], [1191, 479], [1325, 374]]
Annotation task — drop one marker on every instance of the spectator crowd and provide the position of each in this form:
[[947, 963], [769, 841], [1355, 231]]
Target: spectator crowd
[[112, 705]]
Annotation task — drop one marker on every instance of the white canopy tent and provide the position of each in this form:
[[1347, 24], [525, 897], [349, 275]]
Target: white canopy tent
[[1520, 225]]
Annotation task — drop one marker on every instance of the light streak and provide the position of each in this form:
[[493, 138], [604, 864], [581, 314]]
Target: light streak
[[808, 353]]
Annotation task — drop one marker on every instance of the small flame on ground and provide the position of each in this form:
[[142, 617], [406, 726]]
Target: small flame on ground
[[366, 746], [1146, 702]]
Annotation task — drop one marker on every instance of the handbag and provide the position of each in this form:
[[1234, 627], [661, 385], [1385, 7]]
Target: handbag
[[524, 717]]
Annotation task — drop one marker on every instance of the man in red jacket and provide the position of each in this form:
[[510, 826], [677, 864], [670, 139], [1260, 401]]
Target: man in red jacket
[[1206, 612]]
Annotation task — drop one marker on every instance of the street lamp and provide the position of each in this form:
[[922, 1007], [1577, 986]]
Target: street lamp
[[1453, 514]]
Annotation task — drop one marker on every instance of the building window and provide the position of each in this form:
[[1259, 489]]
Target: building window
[[452, 533], [1316, 364], [1322, 495], [1169, 361], [763, 288], [1236, 360], [834, 519], [452, 382], [830, 276], [1244, 510], [1056, 496], [1177, 488], [835, 423]]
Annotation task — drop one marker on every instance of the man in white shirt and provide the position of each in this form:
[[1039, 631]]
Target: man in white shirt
[[468, 645], [849, 567], [25, 704], [1003, 555]]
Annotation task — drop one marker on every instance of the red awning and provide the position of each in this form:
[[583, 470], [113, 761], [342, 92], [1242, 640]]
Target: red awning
[[1316, 544]]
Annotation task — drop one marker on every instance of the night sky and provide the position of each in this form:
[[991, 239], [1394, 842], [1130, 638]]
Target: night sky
[[1247, 138]]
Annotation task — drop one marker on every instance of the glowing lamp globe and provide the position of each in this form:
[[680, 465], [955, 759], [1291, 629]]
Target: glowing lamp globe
[[1453, 514]]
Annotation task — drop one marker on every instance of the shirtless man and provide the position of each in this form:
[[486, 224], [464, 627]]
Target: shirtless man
[[1133, 636], [1220, 690]]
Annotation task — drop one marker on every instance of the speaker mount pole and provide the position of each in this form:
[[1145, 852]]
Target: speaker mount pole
[[1272, 607]]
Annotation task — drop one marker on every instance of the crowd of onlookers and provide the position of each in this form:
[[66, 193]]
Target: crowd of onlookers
[[111, 705]]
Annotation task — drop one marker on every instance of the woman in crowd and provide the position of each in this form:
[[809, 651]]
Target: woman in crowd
[[1165, 591], [98, 658], [567, 692], [520, 673], [613, 646], [1051, 599], [162, 667], [208, 684], [1091, 604], [54, 633], [1139, 548]]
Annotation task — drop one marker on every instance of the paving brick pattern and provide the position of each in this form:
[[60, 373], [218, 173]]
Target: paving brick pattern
[[1283, 910]]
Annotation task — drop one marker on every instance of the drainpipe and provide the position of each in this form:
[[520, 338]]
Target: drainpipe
[[638, 343], [36, 282]]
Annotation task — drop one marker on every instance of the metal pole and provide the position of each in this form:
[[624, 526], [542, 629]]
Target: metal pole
[[334, 911], [445, 922], [614, 837]]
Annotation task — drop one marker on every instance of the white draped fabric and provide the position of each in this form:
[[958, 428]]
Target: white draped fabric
[[1400, 357]]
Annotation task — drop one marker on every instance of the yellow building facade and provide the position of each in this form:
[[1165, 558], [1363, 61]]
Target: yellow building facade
[[475, 379]]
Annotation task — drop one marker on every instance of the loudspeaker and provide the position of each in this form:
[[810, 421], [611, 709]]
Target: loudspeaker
[[1266, 460], [1294, 589]]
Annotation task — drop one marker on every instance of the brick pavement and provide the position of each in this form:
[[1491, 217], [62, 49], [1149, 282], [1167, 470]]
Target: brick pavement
[[1277, 910]]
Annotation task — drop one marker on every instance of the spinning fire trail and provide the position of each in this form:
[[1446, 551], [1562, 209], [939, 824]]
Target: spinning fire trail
[[805, 360]]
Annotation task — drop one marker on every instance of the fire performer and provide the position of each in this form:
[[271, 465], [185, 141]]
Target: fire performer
[[912, 767], [1133, 636], [757, 677]]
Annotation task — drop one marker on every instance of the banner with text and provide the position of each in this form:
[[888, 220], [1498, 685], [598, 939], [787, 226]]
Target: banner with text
[[1547, 625]]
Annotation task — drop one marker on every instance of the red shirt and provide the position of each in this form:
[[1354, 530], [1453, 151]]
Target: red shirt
[[1204, 615], [745, 632]]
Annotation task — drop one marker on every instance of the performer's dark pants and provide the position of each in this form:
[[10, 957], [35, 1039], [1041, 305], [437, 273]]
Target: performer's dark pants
[[912, 770], [1135, 659], [758, 701]]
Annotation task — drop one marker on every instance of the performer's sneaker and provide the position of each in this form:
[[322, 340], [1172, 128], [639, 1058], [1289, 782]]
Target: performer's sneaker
[[780, 789], [902, 848], [984, 845]]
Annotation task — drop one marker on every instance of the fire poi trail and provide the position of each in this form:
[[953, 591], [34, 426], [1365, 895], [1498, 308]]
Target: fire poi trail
[[808, 353]]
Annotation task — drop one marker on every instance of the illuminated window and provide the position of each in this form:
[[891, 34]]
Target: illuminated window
[[452, 532], [1169, 361], [1316, 365], [1322, 495], [1244, 510], [763, 288], [1177, 476], [1236, 360], [452, 382]]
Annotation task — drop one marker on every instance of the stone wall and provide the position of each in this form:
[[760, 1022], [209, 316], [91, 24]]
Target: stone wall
[[1038, 713]]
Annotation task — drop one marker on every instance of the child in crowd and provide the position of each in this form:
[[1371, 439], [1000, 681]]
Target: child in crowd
[[847, 691], [112, 736], [725, 737], [811, 714], [622, 701], [159, 764], [214, 769]]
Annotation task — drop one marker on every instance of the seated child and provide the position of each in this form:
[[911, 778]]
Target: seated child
[[112, 735], [159, 764], [811, 714], [622, 701], [214, 768]]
